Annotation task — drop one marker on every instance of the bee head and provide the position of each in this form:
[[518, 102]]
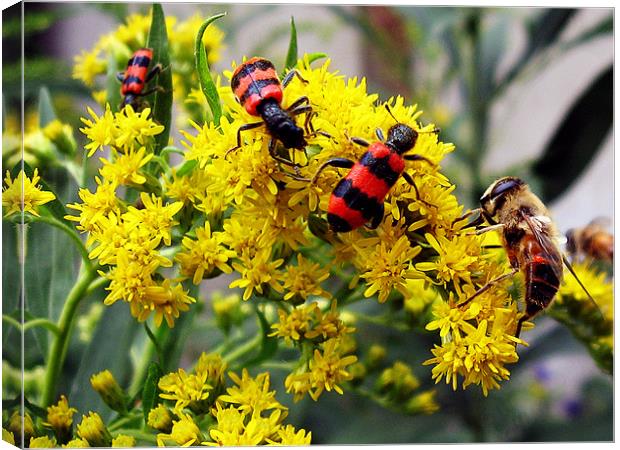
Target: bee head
[[495, 196], [401, 137]]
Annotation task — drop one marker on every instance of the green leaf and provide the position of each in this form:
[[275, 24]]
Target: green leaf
[[108, 349], [187, 167], [577, 139], [207, 84], [150, 391], [315, 56], [162, 100], [269, 344], [112, 85], [291, 55], [46, 107]]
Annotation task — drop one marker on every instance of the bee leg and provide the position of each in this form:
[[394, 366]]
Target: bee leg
[[343, 163], [247, 126], [289, 76], [488, 286], [476, 222], [497, 226], [409, 180], [522, 319], [377, 218]]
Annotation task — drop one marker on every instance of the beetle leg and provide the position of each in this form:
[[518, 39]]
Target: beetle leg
[[342, 163], [247, 126], [289, 76], [377, 218]]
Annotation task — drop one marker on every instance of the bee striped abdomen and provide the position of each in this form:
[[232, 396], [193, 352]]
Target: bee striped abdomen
[[136, 72], [542, 284], [254, 81], [358, 198]]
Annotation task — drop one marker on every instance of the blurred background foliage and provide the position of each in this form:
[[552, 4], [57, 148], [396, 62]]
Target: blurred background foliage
[[417, 52]]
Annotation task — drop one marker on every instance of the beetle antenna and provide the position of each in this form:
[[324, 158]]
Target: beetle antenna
[[390, 112]]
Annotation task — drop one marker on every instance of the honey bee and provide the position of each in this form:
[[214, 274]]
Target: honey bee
[[593, 241], [530, 240]]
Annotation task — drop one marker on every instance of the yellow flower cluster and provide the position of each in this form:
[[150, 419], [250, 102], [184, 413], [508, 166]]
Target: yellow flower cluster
[[129, 238], [119, 45], [268, 212], [245, 414]]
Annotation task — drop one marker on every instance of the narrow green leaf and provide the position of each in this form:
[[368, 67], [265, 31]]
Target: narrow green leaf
[[291, 55], [269, 344], [112, 85], [207, 84], [578, 138], [150, 391], [46, 107], [162, 99], [187, 167], [315, 56]]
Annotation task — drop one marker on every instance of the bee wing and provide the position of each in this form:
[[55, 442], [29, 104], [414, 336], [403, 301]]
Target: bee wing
[[538, 226]]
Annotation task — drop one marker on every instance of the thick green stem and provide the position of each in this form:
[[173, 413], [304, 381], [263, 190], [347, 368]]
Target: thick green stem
[[58, 350]]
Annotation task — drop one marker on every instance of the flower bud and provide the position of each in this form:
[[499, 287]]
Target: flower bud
[[76, 443], [7, 436], [397, 382], [60, 419], [17, 423], [42, 442], [124, 441], [160, 418], [61, 136], [94, 431], [375, 357], [106, 386], [422, 403]]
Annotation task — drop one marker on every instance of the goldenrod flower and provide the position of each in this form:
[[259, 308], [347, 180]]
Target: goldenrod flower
[[101, 131], [107, 387], [154, 217], [293, 325], [23, 194], [61, 134], [166, 300], [87, 66], [288, 435], [187, 390], [385, 267], [304, 279], [60, 419], [251, 395], [125, 168], [184, 433], [134, 127], [257, 272], [42, 442], [94, 431], [204, 254], [160, 419], [94, 206], [213, 367]]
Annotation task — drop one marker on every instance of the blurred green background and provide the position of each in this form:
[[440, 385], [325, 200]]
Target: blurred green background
[[520, 91]]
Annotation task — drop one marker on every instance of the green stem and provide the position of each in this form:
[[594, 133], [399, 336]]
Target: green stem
[[138, 435], [244, 349], [45, 323], [58, 350], [72, 234], [122, 421]]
